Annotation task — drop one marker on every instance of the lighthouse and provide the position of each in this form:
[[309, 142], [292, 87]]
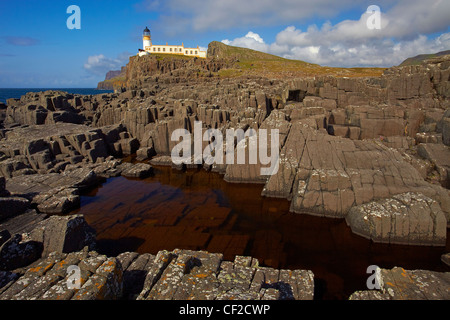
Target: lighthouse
[[149, 48], [147, 39]]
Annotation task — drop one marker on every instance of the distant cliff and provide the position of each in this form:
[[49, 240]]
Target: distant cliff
[[417, 60], [114, 80], [166, 68]]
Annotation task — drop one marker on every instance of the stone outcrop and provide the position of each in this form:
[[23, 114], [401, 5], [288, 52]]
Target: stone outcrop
[[409, 218], [401, 284], [140, 170], [373, 151], [52, 279], [186, 275], [17, 252], [63, 234], [54, 193], [114, 80], [12, 206], [343, 142], [178, 275]]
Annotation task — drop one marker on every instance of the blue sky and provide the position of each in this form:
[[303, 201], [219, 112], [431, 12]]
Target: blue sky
[[38, 50]]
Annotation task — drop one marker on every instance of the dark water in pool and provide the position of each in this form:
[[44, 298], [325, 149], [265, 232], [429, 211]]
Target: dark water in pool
[[198, 210]]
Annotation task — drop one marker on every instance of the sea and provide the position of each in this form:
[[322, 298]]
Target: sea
[[18, 92]]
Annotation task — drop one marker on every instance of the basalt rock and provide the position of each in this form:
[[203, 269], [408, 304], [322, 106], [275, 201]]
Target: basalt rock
[[409, 218], [3, 191], [17, 252], [82, 275], [12, 206], [140, 170], [179, 275], [344, 142], [401, 284], [185, 274], [63, 234]]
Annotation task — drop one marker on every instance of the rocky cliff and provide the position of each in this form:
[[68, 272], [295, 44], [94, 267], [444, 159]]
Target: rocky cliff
[[419, 59], [114, 80], [374, 150]]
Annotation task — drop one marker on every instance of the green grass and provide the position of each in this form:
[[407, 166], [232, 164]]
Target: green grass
[[251, 62], [167, 56]]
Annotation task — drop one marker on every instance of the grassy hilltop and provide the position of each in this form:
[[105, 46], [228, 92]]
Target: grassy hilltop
[[248, 62], [255, 62], [417, 60]]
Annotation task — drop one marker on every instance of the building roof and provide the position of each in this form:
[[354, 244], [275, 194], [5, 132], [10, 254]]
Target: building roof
[[146, 29]]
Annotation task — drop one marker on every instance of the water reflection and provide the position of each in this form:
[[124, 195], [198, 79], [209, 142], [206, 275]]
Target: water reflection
[[198, 210]]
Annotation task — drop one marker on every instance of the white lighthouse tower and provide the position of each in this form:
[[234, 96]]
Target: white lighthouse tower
[[149, 48], [147, 39]]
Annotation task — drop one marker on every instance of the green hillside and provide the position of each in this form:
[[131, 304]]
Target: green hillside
[[422, 57], [252, 62]]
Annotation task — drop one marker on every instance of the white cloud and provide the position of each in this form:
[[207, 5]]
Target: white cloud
[[409, 27], [251, 40], [351, 43], [201, 15], [405, 18], [100, 64], [317, 46]]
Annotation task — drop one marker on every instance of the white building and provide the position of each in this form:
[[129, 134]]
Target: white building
[[150, 48]]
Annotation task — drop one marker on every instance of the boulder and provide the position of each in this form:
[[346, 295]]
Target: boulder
[[4, 236], [63, 234], [439, 155], [145, 153], [139, 170], [12, 206], [446, 131], [408, 218], [400, 284], [3, 191], [129, 146], [82, 275], [445, 258], [186, 274], [15, 253], [58, 200]]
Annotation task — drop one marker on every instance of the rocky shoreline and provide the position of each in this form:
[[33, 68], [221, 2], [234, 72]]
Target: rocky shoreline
[[372, 151], [168, 275]]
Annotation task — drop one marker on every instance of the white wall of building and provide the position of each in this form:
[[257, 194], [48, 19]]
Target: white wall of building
[[169, 49]]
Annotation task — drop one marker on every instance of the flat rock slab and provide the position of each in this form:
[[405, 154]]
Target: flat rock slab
[[96, 277], [23, 223], [53, 192], [12, 206], [199, 275], [408, 218], [439, 154], [179, 275], [63, 234], [401, 284], [139, 170], [18, 137]]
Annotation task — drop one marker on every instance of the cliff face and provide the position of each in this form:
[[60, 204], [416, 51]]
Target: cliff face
[[374, 151], [417, 60], [113, 80], [345, 143], [142, 71], [113, 74]]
